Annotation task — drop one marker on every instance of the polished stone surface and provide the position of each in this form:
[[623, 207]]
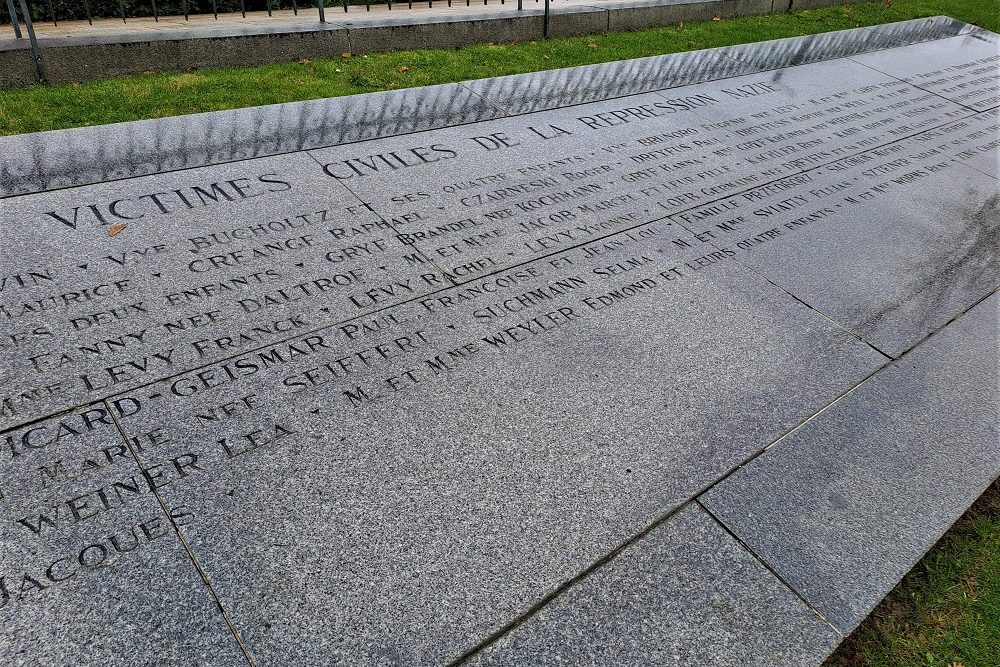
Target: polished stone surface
[[167, 273], [964, 69], [63, 158], [443, 490], [892, 241], [88, 547], [793, 51], [842, 508], [415, 374], [685, 594], [552, 89], [58, 159]]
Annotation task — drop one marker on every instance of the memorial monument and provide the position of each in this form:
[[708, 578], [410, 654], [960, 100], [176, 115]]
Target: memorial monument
[[677, 361]]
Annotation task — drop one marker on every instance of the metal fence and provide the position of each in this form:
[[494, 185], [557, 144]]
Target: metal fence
[[27, 15], [51, 14]]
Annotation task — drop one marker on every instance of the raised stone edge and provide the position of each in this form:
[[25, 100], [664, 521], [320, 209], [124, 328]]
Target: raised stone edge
[[43, 155]]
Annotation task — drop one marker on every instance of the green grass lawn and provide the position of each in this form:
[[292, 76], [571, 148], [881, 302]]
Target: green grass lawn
[[946, 612], [40, 108]]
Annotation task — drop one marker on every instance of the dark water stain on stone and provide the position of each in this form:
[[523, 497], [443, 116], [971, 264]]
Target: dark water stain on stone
[[954, 265]]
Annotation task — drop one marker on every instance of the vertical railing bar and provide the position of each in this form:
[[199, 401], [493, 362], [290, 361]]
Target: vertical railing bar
[[345, 6], [156, 15], [13, 19], [410, 2], [121, 8], [322, 12], [268, 7], [184, 6], [389, 2], [519, 5], [545, 27], [243, 8], [215, 9], [295, 7], [368, 5], [35, 51]]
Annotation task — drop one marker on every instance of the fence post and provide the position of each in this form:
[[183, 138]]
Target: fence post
[[13, 19], [35, 51], [545, 28], [322, 14]]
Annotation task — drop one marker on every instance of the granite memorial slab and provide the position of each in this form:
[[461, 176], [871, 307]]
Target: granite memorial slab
[[64, 158], [49, 160], [122, 283], [443, 383], [104, 579], [841, 508], [961, 69], [651, 605], [433, 416]]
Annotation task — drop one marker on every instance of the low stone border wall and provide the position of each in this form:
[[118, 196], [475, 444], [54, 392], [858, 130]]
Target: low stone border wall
[[71, 59]]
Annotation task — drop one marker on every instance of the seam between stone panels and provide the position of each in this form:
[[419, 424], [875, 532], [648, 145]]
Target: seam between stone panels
[[831, 320], [695, 499], [770, 569], [564, 586], [804, 171], [937, 330], [330, 325], [545, 600], [184, 544], [368, 206], [871, 67], [976, 169], [836, 323], [774, 443], [496, 105], [846, 393], [808, 305]]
